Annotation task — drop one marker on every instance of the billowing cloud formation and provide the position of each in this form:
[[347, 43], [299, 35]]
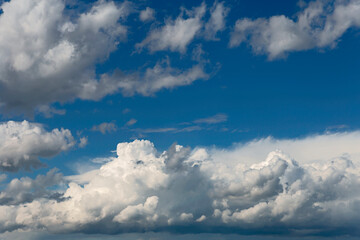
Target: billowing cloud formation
[[46, 52], [318, 25], [203, 190], [22, 143], [177, 34], [48, 55]]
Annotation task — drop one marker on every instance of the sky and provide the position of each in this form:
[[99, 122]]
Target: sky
[[179, 119]]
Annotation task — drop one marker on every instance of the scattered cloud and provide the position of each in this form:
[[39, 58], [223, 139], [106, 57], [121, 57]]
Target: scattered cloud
[[147, 15], [22, 143], [320, 24], [161, 76], [105, 127], [49, 111]]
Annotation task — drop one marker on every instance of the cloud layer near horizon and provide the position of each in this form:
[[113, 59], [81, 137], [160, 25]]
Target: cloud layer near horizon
[[196, 190]]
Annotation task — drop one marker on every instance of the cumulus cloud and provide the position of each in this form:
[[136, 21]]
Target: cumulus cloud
[[320, 24], [22, 143], [46, 52], [237, 189], [25, 189], [147, 15], [105, 127], [48, 55], [177, 34]]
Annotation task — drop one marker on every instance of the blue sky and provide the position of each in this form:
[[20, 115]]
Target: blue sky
[[231, 81]]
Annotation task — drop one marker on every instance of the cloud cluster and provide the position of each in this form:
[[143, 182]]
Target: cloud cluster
[[177, 34], [202, 190], [22, 143], [320, 24], [49, 54]]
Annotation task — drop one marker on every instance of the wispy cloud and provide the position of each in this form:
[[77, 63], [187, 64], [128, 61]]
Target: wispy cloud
[[131, 122], [218, 118], [195, 125], [105, 127]]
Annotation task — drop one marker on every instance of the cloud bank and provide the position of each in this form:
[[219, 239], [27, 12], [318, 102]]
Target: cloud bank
[[22, 143], [236, 190], [319, 25]]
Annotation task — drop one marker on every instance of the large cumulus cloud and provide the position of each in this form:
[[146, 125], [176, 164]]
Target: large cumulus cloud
[[206, 190], [22, 143], [48, 56]]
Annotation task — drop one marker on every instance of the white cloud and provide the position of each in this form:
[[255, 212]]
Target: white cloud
[[25, 189], [46, 56], [176, 34], [161, 76], [131, 122], [83, 142], [216, 22], [144, 190], [49, 56], [319, 25], [147, 15], [105, 127], [22, 143]]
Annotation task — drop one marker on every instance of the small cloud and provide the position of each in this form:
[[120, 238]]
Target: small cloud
[[83, 142], [147, 15], [131, 122], [105, 128], [2, 177], [49, 112], [101, 160], [336, 128], [126, 110], [218, 118]]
